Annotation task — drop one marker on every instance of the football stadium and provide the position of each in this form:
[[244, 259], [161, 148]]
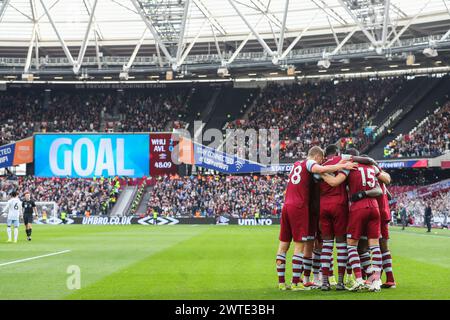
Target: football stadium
[[224, 150]]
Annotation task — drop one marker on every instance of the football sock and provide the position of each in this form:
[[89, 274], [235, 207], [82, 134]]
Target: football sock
[[376, 261], [342, 260], [353, 259], [307, 265], [8, 231], [316, 264], [281, 267], [325, 259], [296, 268], [331, 271], [365, 262], [387, 266], [16, 233]]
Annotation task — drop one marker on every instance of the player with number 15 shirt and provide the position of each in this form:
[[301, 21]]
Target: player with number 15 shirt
[[364, 214]]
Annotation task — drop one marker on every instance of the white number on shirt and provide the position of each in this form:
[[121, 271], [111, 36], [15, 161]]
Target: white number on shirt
[[370, 179], [296, 178]]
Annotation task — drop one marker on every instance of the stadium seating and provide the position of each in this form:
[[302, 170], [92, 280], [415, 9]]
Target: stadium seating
[[322, 113], [238, 196], [66, 111], [430, 138]]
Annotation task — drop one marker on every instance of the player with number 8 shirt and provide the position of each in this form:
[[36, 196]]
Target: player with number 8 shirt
[[297, 223]]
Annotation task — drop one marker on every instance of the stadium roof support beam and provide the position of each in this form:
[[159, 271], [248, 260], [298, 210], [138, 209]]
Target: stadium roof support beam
[[344, 41], [199, 4], [387, 5], [37, 32], [182, 30], [398, 35], [3, 6], [97, 29], [219, 52], [332, 30], [445, 36], [61, 40], [253, 30], [335, 16], [265, 11], [85, 42], [158, 54], [49, 8], [283, 27], [360, 25], [298, 38], [97, 51], [30, 50], [191, 45], [152, 29], [130, 62], [35, 18], [241, 46]]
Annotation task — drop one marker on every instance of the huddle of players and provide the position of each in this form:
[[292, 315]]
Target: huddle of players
[[343, 198], [13, 209]]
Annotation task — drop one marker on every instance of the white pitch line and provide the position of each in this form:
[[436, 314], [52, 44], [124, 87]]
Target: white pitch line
[[34, 258]]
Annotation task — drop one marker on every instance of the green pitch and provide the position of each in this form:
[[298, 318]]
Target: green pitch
[[192, 262]]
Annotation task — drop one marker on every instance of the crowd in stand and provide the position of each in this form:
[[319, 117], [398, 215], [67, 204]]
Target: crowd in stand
[[243, 196], [312, 114], [430, 139], [150, 113], [77, 197], [415, 208], [209, 196], [26, 112]]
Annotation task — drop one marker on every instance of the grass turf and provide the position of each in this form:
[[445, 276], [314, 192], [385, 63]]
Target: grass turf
[[194, 262]]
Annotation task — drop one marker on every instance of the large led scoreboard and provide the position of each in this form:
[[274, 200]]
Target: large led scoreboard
[[81, 155]]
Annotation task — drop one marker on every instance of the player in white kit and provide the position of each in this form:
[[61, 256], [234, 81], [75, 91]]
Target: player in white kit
[[13, 209]]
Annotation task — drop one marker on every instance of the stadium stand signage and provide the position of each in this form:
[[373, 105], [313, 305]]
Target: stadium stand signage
[[423, 163], [16, 153], [7, 155], [213, 159], [120, 85]]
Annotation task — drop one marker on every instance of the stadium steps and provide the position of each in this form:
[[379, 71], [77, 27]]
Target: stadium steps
[[399, 105], [232, 102], [124, 202], [200, 98], [142, 208], [399, 99], [429, 99]]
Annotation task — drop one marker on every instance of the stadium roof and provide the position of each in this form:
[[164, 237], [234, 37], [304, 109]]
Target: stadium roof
[[191, 31]]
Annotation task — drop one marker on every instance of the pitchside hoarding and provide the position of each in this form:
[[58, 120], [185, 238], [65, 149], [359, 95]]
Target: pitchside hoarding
[[148, 221], [89, 155]]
